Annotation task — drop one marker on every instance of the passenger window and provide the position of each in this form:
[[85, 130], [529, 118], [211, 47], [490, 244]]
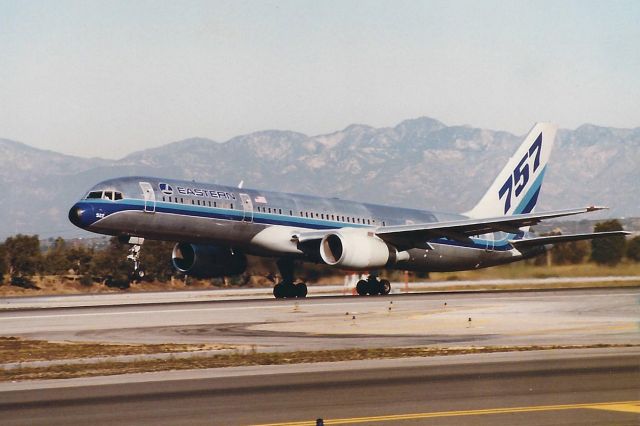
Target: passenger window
[[193, 202], [279, 211], [215, 204], [231, 206], [269, 209], [118, 195], [108, 195]]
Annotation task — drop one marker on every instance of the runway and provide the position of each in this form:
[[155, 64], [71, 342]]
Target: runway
[[586, 386], [549, 317], [599, 388]]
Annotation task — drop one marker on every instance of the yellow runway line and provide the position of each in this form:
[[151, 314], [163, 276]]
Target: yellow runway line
[[624, 406]]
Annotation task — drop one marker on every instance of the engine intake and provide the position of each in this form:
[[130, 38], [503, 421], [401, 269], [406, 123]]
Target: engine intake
[[203, 261], [356, 249]]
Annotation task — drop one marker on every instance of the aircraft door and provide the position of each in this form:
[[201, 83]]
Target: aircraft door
[[149, 197], [247, 207]]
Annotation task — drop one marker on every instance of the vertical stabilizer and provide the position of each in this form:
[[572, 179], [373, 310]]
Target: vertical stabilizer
[[516, 189]]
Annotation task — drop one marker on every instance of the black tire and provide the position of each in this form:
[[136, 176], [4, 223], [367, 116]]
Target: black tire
[[385, 287], [374, 288], [279, 291], [362, 287], [301, 290]]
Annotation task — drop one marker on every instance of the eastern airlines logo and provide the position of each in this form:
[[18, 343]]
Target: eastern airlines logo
[[166, 188], [197, 192]]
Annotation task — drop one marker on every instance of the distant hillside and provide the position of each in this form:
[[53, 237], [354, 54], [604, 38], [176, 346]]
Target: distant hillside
[[419, 163]]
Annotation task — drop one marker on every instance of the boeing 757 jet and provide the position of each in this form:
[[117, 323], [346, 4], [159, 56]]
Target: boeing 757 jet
[[215, 226]]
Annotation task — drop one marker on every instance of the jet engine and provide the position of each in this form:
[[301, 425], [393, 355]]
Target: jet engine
[[203, 261], [356, 249]]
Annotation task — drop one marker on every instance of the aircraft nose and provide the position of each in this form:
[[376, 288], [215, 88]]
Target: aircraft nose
[[78, 215]]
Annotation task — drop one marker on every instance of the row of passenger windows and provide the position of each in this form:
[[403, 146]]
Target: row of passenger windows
[[306, 214], [339, 218], [327, 216], [205, 203], [105, 195]]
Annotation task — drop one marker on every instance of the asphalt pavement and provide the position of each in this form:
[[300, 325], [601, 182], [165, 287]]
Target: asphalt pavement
[[599, 389]]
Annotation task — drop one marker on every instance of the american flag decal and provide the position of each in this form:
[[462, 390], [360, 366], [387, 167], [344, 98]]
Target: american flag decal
[[260, 199]]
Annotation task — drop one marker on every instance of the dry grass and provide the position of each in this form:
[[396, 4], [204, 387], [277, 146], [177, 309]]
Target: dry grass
[[15, 349], [522, 270], [256, 358]]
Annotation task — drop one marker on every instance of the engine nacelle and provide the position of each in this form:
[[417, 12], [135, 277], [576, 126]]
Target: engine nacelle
[[204, 261], [356, 249]]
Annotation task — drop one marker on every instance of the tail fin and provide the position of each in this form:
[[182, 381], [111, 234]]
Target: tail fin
[[516, 189]]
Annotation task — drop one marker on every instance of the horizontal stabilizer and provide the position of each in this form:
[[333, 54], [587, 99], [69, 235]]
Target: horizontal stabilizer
[[553, 239]]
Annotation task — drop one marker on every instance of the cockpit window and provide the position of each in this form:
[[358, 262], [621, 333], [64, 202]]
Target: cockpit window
[[105, 195]]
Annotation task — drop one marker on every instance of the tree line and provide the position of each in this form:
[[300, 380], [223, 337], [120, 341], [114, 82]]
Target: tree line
[[21, 257]]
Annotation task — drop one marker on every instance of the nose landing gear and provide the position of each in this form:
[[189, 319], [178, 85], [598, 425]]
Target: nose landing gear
[[134, 256]]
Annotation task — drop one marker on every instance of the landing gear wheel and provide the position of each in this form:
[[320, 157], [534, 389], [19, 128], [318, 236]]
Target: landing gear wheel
[[301, 290], [362, 287], [279, 291], [385, 287]]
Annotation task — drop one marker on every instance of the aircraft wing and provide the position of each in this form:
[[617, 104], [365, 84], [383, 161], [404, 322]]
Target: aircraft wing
[[553, 239], [408, 236]]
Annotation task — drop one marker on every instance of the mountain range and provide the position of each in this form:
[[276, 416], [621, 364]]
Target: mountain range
[[419, 163]]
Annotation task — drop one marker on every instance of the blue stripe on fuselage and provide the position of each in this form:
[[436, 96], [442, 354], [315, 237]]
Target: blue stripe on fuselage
[[109, 207]]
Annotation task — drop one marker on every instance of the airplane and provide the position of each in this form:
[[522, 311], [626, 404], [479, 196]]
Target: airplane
[[216, 226]]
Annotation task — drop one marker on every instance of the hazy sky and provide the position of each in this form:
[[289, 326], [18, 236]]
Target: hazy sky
[[108, 78]]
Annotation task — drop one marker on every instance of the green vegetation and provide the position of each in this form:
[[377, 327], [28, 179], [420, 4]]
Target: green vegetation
[[633, 249], [3, 263], [22, 255], [608, 251]]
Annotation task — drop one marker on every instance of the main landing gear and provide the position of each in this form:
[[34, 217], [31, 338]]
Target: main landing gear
[[134, 255], [286, 288], [373, 286]]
